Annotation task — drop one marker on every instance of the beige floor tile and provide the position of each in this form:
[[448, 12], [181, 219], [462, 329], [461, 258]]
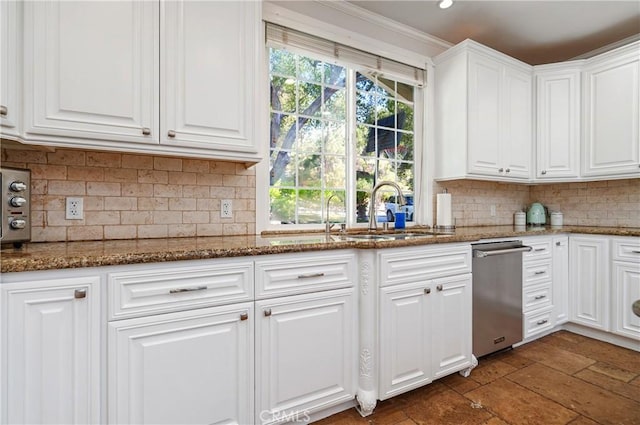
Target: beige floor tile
[[613, 371], [518, 405], [447, 408], [610, 384], [557, 358], [490, 369], [587, 399]]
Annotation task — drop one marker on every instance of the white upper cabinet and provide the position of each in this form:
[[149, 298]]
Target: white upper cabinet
[[558, 120], [10, 60], [483, 114], [209, 64], [170, 77], [611, 90], [91, 71]]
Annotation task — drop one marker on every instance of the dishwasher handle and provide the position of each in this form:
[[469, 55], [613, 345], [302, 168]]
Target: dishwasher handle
[[481, 254]]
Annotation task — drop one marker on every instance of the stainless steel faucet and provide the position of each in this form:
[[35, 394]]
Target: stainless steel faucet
[[372, 205], [328, 226]]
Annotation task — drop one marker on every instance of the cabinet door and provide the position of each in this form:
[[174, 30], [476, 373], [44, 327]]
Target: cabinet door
[[51, 351], [516, 116], [10, 62], [93, 70], [589, 283], [558, 123], [560, 279], [451, 324], [405, 337], [209, 67], [626, 290], [611, 113], [305, 351], [485, 79], [192, 367]]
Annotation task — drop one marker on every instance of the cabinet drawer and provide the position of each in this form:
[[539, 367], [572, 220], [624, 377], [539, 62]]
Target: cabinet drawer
[[302, 273], [540, 321], [626, 249], [536, 297], [419, 264], [161, 288], [541, 249], [534, 273]]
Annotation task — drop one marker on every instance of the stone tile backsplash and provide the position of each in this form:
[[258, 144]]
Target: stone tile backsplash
[[128, 196], [601, 203]]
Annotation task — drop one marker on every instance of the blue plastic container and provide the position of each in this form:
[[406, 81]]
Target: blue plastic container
[[400, 220]]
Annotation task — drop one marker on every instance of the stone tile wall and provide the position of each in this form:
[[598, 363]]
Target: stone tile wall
[[128, 196], [601, 203]]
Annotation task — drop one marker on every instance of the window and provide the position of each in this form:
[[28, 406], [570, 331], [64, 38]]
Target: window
[[337, 128]]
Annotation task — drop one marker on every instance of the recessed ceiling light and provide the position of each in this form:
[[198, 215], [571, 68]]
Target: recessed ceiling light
[[444, 4]]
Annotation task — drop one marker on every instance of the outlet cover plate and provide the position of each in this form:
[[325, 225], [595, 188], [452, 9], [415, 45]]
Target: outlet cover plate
[[226, 208], [75, 209]]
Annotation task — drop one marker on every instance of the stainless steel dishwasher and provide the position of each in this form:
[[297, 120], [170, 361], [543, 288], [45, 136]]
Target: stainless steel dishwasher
[[497, 295]]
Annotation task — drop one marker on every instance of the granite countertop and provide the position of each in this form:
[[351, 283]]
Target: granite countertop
[[64, 255]]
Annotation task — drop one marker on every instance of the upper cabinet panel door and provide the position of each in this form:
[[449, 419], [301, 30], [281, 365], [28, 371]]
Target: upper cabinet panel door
[[484, 116], [209, 74], [9, 67], [92, 69], [558, 123], [611, 113], [516, 112]]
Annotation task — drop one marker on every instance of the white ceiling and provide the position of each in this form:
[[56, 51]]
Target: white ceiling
[[535, 32]]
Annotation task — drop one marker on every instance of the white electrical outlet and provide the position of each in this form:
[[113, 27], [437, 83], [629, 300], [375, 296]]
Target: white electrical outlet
[[493, 210], [226, 208], [75, 209]]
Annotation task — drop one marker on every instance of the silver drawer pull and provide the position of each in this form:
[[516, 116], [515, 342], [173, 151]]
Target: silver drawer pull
[[543, 172], [267, 312], [80, 293], [171, 133], [636, 251], [180, 290], [427, 291], [539, 297], [310, 275], [558, 243], [3, 110], [244, 316], [146, 131], [539, 272], [539, 249], [542, 322]]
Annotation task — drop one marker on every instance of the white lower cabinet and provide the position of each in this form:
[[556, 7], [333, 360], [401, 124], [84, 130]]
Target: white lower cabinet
[[560, 279], [625, 283], [189, 367], [305, 353], [589, 285], [424, 324], [51, 351], [425, 332]]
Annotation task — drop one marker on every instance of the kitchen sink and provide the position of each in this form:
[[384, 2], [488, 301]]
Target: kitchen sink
[[385, 236]]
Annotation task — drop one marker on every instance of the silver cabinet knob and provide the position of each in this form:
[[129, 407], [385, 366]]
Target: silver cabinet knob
[[267, 312], [18, 224], [543, 172], [171, 133], [146, 131], [439, 287], [17, 201], [80, 293], [427, 291], [508, 170], [244, 316], [558, 243], [500, 170], [3, 110], [18, 186]]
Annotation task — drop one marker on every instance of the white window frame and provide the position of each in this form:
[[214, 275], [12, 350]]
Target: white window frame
[[424, 134]]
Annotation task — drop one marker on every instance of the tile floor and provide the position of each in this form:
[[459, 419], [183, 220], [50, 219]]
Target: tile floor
[[563, 378]]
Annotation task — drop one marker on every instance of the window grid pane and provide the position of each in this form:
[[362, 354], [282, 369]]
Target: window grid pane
[[309, 155]]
